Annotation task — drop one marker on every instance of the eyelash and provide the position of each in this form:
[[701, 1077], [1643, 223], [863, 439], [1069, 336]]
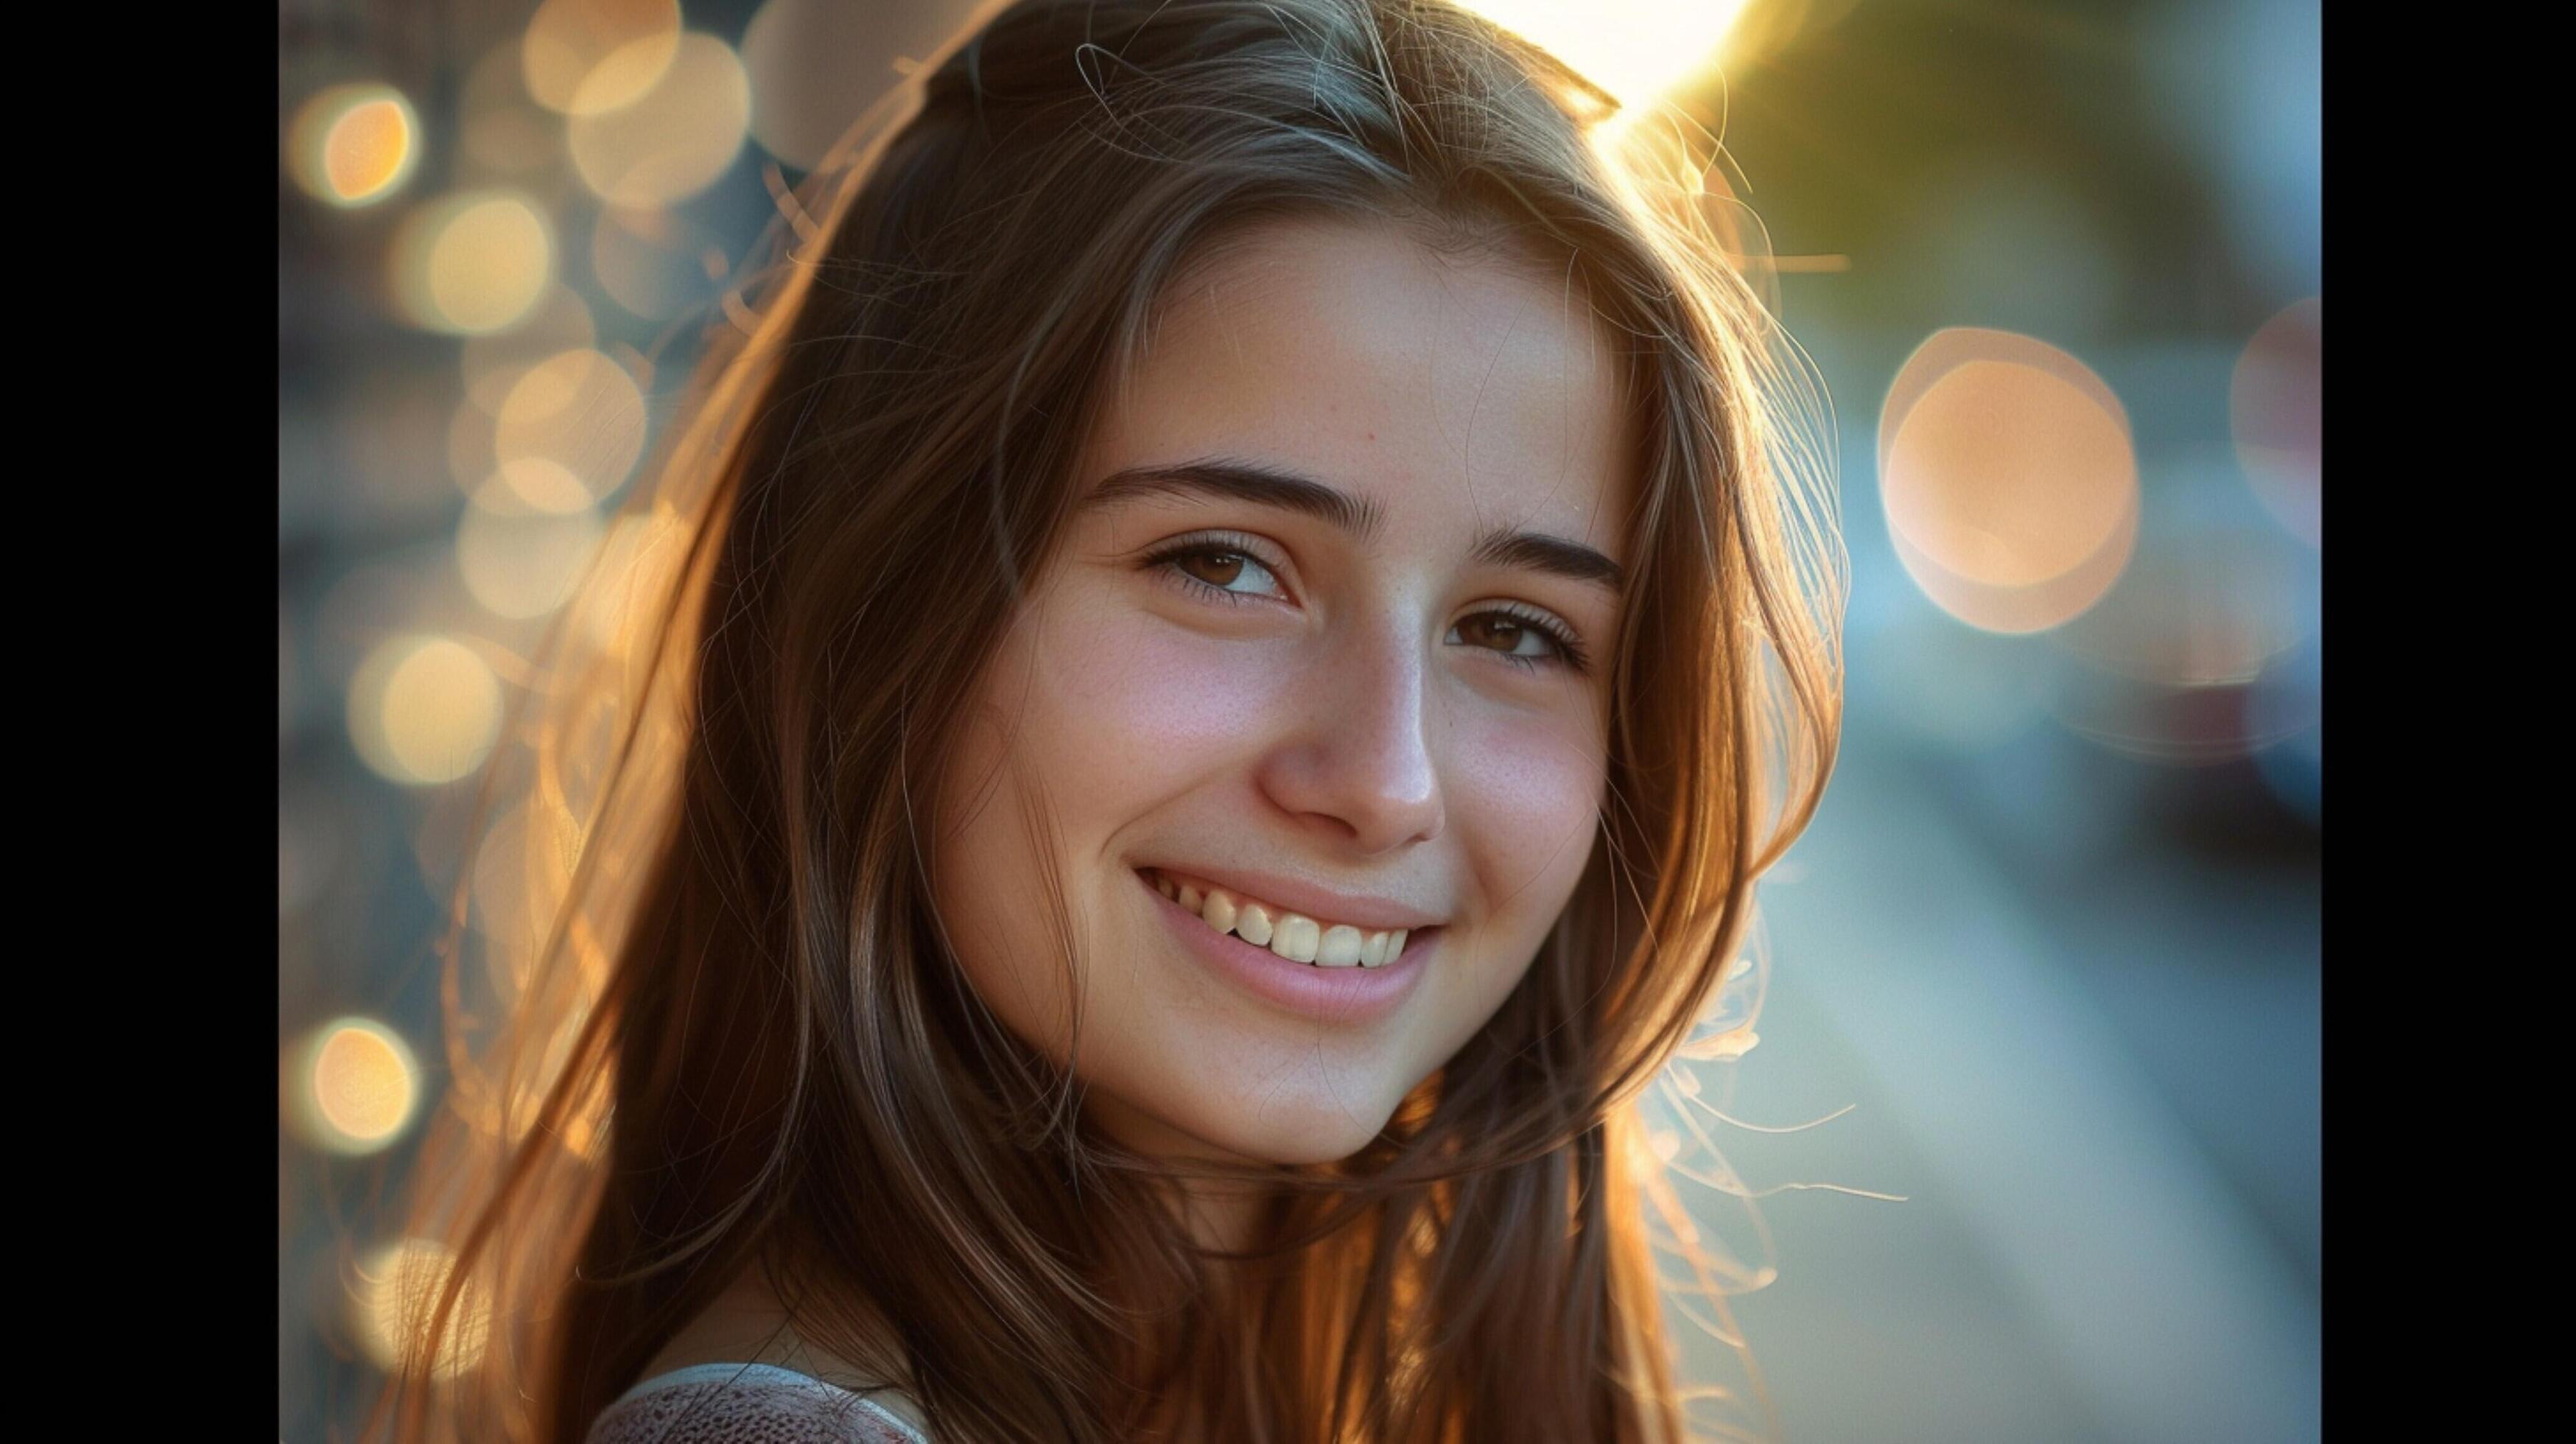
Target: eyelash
[[1570, 653]]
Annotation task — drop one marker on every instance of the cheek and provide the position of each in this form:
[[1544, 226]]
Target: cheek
[[1109, 712], [1127, 710], [1527, 791]]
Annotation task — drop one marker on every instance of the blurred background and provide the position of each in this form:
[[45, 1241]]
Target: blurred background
[[2050, 953]]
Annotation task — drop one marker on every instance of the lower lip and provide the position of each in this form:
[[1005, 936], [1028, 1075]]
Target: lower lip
[[1353, 996]]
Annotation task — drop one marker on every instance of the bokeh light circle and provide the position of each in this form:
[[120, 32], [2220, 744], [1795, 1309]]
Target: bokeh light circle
[[523, 872], [520, 560], [2188, 660], [581, 57], [396, 1296], [652, 263], [2275, 404], [353, 145], [352, 1086], [2009, 479], [473, 262], [493, 363], [675, 139], [2210, 608], [424, 710], [576, 415]]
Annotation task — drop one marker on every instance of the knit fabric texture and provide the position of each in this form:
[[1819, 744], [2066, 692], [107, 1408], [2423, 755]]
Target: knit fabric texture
[[745, 1404]]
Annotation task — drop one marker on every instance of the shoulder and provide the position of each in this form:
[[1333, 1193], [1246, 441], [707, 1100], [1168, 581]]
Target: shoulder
[[727, 1403]]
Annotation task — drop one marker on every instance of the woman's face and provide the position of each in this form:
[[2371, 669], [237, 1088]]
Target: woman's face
[[1300, 644]]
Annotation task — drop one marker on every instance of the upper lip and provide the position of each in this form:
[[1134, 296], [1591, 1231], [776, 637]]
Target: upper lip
[[1366, 910]]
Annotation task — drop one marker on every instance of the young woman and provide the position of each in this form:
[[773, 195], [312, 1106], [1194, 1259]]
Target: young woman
[[1248, 610]]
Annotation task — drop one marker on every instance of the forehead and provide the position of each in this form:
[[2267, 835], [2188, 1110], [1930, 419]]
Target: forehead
[[1454, 391]]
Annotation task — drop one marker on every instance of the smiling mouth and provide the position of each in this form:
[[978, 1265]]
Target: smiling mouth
[[1289, 935]]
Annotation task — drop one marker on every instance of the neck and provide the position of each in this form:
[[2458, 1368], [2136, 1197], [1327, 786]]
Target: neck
[[1221, 1216]]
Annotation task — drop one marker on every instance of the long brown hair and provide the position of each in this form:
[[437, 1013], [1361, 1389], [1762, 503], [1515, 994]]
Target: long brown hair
[[738, 1038]]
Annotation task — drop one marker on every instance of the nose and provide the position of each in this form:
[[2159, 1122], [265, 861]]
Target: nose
[[1358, 762]]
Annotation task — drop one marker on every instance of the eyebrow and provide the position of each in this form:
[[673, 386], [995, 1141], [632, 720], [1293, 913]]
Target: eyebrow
[[1362, 517]]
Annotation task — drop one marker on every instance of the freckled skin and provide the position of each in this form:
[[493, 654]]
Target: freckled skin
[[1328, 726]]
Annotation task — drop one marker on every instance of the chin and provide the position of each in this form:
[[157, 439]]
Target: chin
[[1310, 1121], [1320, 1139]]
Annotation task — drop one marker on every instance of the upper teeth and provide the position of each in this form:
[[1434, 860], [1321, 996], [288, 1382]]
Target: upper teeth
[[1291, 935]]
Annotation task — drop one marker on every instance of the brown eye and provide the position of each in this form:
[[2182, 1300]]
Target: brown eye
[[1216, 568], [1211, 569], [1494, 625], [1502, 627], [1517, 634]]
